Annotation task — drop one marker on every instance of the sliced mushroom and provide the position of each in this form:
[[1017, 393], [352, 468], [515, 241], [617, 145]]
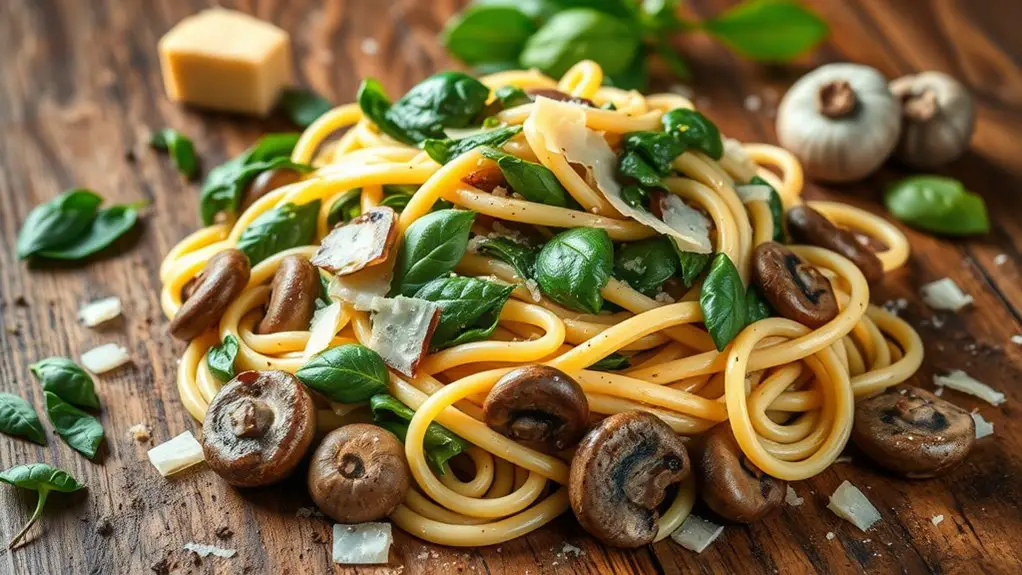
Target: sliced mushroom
[[223, 279], [268, 181], [258, 427], [359, 473], [293, 294], [364, 241], [559, 96], [487, 178], [809, 226], [730, 484], [797, 290], [538, 406], [913, 432], [619, 476]]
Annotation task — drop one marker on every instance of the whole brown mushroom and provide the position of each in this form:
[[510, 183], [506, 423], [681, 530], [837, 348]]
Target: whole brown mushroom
[[293, 294], [268, 181], [222, 280], [809, 226], [359, 473], [619, 476], [797, 290], [258, 427], [538, 406], [730, 484], [913, 432]]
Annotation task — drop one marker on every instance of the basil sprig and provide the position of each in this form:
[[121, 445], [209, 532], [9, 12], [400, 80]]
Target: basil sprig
[[279, 229], [303, 106], [488, 33], [42, 479], [445, 150], [71, 226], [110, 224], [511, 96], [694, 130], [439, 443], [78, 429], [220, 358], [768, 30], [348, 373], [722, 300], [17, 418], [574, 266], [937, 204], [646, 264], [579, 34], [691, 265], [432, 246], [67, 380], [469, 308], [519, 256], [181, 150], [535, 182]]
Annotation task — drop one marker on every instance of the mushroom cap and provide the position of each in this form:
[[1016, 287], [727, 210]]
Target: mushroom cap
[[730, 484], [619, 476], [222, 279], [538, 406], [293, 294], [268, 181], [258, 427], [359, 473], [809, 226], [796, 289], [913, 432]]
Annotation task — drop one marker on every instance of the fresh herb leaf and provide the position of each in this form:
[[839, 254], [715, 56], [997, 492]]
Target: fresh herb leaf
[[675, 62], [303, 106], [768, 30], [109, 225], [374, 104], [17, 418], [396, 201], [635, 196], [635, 76], [646, 264], [348, 373], [466, 303], [511, 96], [535, 182], [279, 229], [58, 222], [756, 308], [937, 204], [538, 10], [443, 151], [67, 380], [181, 150], [631, 165], [444, 100], [220, 358], [692, 264], [79, 430], [439, 443], [43, 479], [658, 149], [432, 246], [574, 266], [520, 257], [580, 34], [722, 300], [776, 208], [694, 130], [487, 34], [345, 208], [613, 362]]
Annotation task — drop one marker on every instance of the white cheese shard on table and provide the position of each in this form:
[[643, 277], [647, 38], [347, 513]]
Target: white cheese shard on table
[[958, 380], [983, 427], [362, 544], [944, 294], [100, 311], [937, 520], [204, 551], [105, 358], [696, 534], [850, 504], [176, 454], [792, 498]]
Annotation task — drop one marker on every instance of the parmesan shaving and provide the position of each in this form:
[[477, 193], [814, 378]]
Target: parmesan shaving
[[850, 504], [326, 322], [753, 193], [402, 328], [206, 550], [362, 544], [105, 358], [362, 288], [696, 534], [364, 241], [937, 520], [944, 294], [100, 311], [177, 454], [958, 380], [792, 498], [983, 427]]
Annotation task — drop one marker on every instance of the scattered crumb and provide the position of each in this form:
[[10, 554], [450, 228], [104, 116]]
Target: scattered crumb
[[206, 550], [308, 512], [936, 519], [370, 46], [830, 535], [140, 432], [1016, 339], [422, 555], [844, 459], [1000, 259], [937, 321], [792, 498], [224, 532], [104, 528], [20, 301], [939, 391], [896, 305], [753, 103], [983, 427], [664, 297], [571, 550]]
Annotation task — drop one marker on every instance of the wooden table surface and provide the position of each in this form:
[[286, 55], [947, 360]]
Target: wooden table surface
[[80, 90]]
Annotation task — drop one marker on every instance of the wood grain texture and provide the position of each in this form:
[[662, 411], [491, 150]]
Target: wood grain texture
[[80, 90]]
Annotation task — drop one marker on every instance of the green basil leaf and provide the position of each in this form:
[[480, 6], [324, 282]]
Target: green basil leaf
[[722, 300], [937, 204], [67, 380], [520, 257], [396, 201], [613, 362], [535, 182], [670, 57], [444, 100], [432, 246], [220, 358], [768, 30], [511, 96], [443, 151], [279, 229], [464, 302], [692, 264], [660, 15], [635, 76], [79, 430], [776, 208], [374, 104], [109, 225], [43, 479], [485, 68], [635, 196], [181, 150], [439, 443], [756, 308], [345, 208], [58, 222], [574, 266], [17, 418], [487, 34], [579, 34], [538, 10], [303, 106], [348, 373], [646, 264], [658, 149], [631, 165], [694, 130]]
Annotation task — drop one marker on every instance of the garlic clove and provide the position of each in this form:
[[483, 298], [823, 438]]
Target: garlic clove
[[938, 119]]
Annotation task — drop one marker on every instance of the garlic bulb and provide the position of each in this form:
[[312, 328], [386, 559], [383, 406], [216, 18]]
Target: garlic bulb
[[938, 119], [840, 120]]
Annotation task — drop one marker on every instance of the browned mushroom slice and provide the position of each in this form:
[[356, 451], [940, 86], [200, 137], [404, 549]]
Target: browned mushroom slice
[[487, 177], [359, 473], [293, 294], [402, 328], [809, 226], [797, 290], [258, 427], [619, 475], [560, 96], [364, 241], [913, 432], [268, 181], [538, 406], [220, 281], [730, 484]]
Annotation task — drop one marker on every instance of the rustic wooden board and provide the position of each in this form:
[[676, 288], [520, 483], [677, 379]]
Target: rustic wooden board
[[79, 92]]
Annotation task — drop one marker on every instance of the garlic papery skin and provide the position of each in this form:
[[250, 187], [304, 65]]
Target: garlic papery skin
[[841, 121], [938, 118]]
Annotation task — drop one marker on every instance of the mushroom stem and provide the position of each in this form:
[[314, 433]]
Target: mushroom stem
[[251, 418], [836, 99], [351, 466], [920, 107]]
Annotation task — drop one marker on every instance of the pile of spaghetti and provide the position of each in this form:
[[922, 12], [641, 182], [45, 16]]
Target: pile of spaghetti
[[786, 390]]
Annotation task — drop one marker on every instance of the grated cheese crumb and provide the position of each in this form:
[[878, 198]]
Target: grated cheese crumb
[[696, 534], [1000, 259], [850, 504], [369, 46], [206, 550], [830, 535], [139, 432], [362, 544], [104, 358], [664, 297], [753, 103], [570, 549], [937, 520], [308, 512], [1016, 339], [983, 427], [960, 381], [792, 498], [100, 311], [944, 294]]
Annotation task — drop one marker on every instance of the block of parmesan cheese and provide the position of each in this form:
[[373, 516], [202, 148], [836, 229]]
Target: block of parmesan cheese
[[226, 60]]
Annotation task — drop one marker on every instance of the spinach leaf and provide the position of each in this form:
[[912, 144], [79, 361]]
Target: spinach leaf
[[374, 104], [444, 100], [657, 149], [43, 479], [636, 196], [519, 256], [756, 308], [465, 303], [487, 34], [631, 165], [398, 196], [646, 264], [635, 76], [67, 380], [694, 130], [348, 373], [303, 106], [612, 362], [279, 229], [58, 222], [181, 149], [220, 358], [432, 246], [439, 443], [345, 208], [538, 10], [17, 418], [574, 266], [776, 208], [722, 301], [535, 182], [109, 225], [937, 204], [79, 430], [511, 96], [443, 151], [768, 30], [579, 34], [692, 264]]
